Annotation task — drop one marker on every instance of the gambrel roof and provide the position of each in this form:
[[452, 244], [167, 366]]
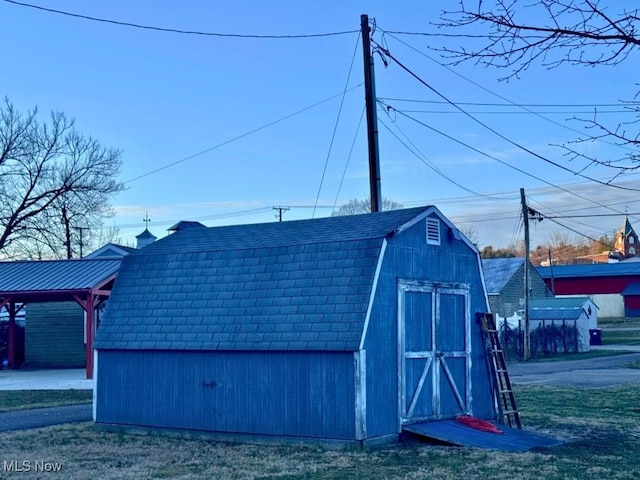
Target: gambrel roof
[[296, 285]]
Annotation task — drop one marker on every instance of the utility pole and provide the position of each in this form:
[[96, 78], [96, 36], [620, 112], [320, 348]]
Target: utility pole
[[280, 210], [526, 348], [81, 239], [67, 231], [372, 119]]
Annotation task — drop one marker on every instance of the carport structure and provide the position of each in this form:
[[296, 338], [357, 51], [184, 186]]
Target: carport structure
[[87, 282]]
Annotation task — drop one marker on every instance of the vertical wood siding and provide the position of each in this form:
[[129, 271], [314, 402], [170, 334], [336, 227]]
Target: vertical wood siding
[[54, 335], [409, 257], [270, 393]]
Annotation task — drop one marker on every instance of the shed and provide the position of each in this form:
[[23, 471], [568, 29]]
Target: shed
[[578, 312], [504, 279], [336, 329], [62, 335]]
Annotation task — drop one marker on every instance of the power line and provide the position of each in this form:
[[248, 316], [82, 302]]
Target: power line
[[492, 130], [353, 144], [530, 112], [561, 125], [507, 104], [335, 127], [226, 142], [420, 156], [502, 161], [579, 233], [176, 30]]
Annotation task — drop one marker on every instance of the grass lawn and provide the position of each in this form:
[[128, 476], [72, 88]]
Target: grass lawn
[[619, 322], [601, 428], [624, 337], [21, 399], [580, 356]]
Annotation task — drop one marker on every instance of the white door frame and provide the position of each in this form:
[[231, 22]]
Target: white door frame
[[436, 360]]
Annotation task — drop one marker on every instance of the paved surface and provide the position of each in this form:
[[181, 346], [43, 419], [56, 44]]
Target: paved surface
[[44, 417], [54, 379], [592, 372]]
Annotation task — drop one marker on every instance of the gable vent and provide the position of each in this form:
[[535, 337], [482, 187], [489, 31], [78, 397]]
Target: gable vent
[[433, 231]]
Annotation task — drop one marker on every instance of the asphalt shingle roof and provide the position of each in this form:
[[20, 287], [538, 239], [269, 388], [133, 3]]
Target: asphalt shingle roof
[[299, 285], [42, 276], [498, 271]]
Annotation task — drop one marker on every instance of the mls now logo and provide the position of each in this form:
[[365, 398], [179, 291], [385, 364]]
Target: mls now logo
[[29, 466]]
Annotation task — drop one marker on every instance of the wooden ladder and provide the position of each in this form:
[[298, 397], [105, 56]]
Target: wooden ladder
[[506, 400]]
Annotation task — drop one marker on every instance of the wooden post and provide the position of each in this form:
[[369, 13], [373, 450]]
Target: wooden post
[[526, 352], [89, 309], [372, 119], [11, 354]]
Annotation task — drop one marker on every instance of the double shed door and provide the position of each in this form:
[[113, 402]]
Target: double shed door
[[434, 351]]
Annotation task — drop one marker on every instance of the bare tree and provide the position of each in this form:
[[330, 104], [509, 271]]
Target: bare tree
[[520, 34], [53, 180], [355, 207], [471, 233]]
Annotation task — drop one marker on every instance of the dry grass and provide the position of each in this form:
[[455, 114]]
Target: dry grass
[[601, 428], [22, 399]]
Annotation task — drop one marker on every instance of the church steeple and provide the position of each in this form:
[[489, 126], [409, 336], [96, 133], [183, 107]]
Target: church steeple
[[627, 240]]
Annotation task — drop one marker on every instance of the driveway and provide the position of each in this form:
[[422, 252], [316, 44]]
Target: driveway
[[591, 372], [45, 417], [45, 379]]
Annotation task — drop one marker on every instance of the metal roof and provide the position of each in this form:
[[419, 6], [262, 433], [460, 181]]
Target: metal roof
[[632, 289], [299, 285], [591, 270], [571, 303], [55, 275], [565, 308], [498, 271]]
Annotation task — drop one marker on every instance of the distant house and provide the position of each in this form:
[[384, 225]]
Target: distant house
[[111, 250], [504, 278], [340, 329]]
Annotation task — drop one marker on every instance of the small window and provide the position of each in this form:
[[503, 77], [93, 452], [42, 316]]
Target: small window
[[433, 231], [631, 239]]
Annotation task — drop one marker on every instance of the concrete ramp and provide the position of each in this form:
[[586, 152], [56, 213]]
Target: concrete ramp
[[453, 433]]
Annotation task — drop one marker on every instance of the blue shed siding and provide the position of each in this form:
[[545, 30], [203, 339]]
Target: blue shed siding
[[303, 394], [408, 257]]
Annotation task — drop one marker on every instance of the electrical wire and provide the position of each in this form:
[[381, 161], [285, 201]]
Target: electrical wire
[[420, 156], [578, 233], [353, 144], [489, 112], [231, 140], [523, 106], [176, 30], [508, 104], [492, 130], [335, 127], [503, 162]]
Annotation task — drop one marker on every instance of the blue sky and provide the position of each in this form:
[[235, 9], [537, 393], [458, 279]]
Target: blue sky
[[163, 97]]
